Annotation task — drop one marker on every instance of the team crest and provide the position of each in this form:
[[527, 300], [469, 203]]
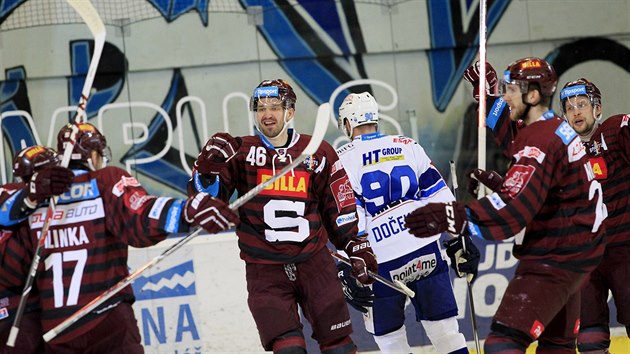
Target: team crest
[[310, 163], [595, 149], [517, 179], [344, 195]]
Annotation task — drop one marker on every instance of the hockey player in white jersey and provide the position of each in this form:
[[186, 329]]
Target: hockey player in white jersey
[[391, 176]]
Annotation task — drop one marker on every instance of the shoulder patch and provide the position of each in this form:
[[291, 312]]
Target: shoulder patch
[[530, 152], [576, 150], [624, 120], [566, 133]]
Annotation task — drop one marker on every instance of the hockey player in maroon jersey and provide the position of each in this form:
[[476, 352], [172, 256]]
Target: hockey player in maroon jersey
[[552, 205], [608, 146], [18, 199], [284, 230], [86, 248]]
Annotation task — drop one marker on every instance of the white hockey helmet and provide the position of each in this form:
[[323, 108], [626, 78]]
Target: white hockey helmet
[[358, 109]]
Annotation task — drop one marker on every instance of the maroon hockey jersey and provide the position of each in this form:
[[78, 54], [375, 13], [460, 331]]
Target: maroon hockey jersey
[[609, 151], [10, 296], [294, 217], [549, 200], [85, 251]]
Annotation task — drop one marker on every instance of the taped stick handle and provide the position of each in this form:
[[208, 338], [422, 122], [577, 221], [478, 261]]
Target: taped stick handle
[[396, 284]]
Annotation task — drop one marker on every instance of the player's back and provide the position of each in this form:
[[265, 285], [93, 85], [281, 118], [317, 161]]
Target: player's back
[[86, 248], [391, 176]]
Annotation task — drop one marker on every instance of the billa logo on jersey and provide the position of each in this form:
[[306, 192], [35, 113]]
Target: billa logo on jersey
[[598, 166], [288, 185]]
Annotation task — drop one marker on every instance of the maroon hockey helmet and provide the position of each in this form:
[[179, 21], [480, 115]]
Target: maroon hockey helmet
[[88, 138], [273, 88], [531, 70], [580, 87], [32, 159]]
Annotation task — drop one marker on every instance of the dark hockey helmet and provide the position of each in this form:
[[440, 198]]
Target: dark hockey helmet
[[32, 159], [580, 87], [88, 138], [273, 88], [526, 71]]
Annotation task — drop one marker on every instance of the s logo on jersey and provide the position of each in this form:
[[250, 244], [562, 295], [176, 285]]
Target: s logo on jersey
[[285, 186]]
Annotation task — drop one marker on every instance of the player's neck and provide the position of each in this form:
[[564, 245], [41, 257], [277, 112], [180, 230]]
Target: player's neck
[[281, 140], [364, 129], [535, 113]]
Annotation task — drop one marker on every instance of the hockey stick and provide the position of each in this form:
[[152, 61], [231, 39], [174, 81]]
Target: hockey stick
[[321, 124], [469, 277], [481, 152], [91, 18], [396, 284]]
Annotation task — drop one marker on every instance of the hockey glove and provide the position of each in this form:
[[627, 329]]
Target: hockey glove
[[463, 262], [358, 296], [47, 182], [219, 149], [491, 179], [471, 74], [362, 259], [212, 214], [435, 218]]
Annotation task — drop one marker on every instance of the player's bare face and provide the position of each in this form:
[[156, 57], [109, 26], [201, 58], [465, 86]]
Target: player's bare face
[[513, 96], [580, 114], [270, 116]]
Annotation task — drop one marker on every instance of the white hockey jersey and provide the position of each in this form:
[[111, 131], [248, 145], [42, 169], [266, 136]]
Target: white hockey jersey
[[391, 176]]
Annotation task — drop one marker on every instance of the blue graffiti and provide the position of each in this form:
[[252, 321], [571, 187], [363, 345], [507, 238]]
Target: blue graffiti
[[301, 50], [7, 6], [167, 170], [172, 9], [80, 62], [452, 51], [13, 96]]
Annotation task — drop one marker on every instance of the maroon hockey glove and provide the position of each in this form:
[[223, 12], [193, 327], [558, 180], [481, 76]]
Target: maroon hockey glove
[[490, 179], [463, 262], [47, 182], [219, 149], [471, 74], [435, 218], [362, 259], [212, 214]]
